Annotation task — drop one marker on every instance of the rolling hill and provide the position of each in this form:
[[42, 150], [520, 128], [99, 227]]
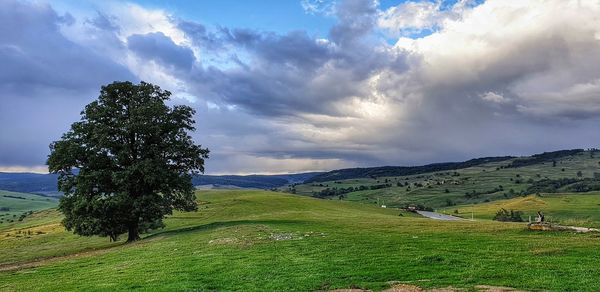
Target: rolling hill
[[564, 208], [15, 206], [250, 240], [470, 182]]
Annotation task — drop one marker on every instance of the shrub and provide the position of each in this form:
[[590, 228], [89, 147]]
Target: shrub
[[508, 216]]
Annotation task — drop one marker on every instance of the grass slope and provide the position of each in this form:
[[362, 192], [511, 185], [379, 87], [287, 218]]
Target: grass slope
[[491, 181], [263, 241], [568, 209], [13, 205]]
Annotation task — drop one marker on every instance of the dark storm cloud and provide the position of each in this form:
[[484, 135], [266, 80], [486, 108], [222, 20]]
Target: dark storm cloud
[[201, 37], [45, 79], [296, 49], [34, 54], [160, 48]]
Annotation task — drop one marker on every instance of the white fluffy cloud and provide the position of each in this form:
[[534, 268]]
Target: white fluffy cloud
[[541, 53], [414, 17]]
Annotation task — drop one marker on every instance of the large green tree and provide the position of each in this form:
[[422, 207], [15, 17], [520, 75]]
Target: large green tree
[[127, 163]]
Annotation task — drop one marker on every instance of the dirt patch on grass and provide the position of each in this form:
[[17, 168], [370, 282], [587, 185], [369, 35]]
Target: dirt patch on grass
[[488, 288], [547, 251], [49, 260], [225, 240], [404, 288], [282, 236], [413, 288]]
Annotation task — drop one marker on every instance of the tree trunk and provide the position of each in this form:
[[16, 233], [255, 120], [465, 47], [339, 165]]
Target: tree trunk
[[133, 233]]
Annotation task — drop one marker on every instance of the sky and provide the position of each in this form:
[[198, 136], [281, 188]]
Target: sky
[[311, 85]]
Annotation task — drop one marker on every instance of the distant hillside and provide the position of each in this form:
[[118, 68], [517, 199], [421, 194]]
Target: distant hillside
[[371, 172], [16, 206], [43, 184], [46, 184], [253, 181], [546, 157], [470, 182]]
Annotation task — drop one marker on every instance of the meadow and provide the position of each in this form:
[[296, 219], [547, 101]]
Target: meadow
[[14, 206], [565, 208], [245, 240]]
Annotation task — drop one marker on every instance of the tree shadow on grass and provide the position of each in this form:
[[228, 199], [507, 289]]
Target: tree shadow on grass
[[101, 250], [220, 224]]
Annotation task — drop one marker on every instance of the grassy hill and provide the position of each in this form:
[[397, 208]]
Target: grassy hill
[[264, 241], [486, 180], [568, 209], [14, 206]]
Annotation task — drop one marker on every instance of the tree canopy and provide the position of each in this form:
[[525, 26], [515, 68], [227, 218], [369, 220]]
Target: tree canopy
[[127, 163]]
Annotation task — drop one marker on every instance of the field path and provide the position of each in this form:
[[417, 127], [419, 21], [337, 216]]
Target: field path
[[438, 216]]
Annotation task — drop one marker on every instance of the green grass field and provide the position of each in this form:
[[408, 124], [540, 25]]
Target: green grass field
[[13, 205], [567, 209], [264, 241], [441, 189]]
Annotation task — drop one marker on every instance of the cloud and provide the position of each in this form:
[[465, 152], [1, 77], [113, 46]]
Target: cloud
[[104, 22], [200, 36], [323, 7], [160, 48], [45, 79], [526, 49], [462, 80], [356, 18], [410, 17], [37, 55], [494, 97]]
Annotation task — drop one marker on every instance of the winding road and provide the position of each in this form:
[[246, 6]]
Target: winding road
[[438, 216]]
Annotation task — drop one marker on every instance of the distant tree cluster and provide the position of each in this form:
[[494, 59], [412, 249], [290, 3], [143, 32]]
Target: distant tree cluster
[[564, 184], [380, 186], [332, 192], [508, 216], [543, 157], [477, 194], [22, 216], [341, 192], [14, 216], [14, 197]]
